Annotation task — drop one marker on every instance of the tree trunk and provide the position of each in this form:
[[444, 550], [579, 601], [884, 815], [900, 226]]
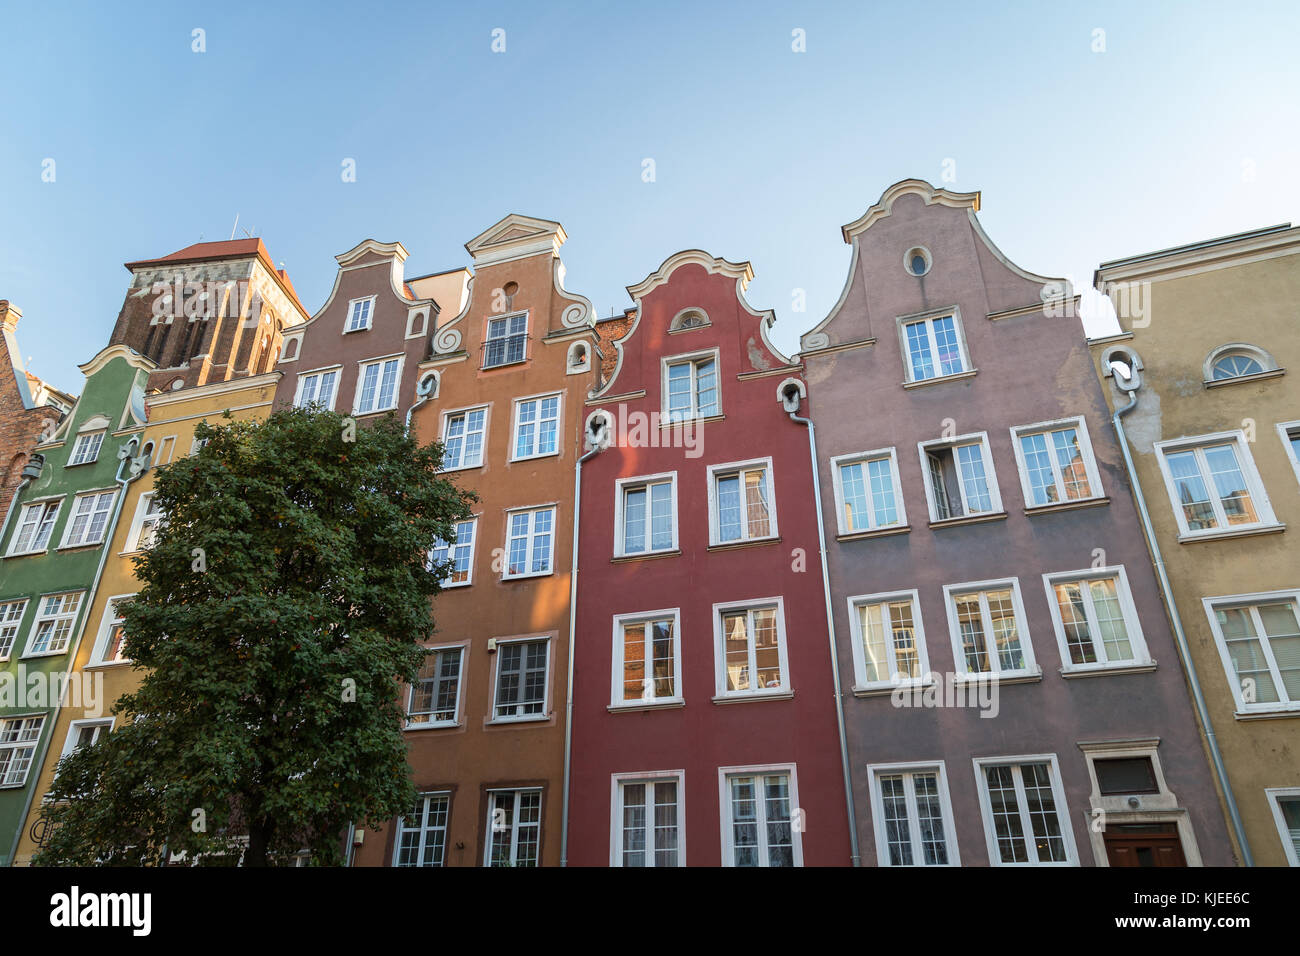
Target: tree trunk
[[259, 836]]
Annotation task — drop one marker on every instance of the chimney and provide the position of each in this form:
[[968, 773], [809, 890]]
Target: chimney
[[9, 315]]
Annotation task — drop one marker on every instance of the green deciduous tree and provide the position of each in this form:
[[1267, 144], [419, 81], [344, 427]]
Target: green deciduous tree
[[286, 596]]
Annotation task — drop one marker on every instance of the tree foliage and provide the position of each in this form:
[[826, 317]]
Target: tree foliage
[[285, 597]]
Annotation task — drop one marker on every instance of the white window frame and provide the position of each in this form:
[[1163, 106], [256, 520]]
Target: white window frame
[[70, 616], [1254, 485], [621, 487], [693, 414], [1080, 425], [488, 340], [724, 470], [455, 720], [650, 778], [724, 799], [43, 503], [1275, 795], [424, 831], [364, 364], [907, 769], [12, 623], [453, 552], [950, 594], [518, 793], [840, 462], [75, 727], [530, 537], [720, 651], [1283, 428], [559, 426], [15, 746], [616, 701], [353, 305], [1063, 817], [453, 413], [990, 476], [1132, 623], [545, 713], [859, 651], [318, 373], [86, 542], [108, 620], [136, 532], [929, 318], [1211, 604], [82, 440]]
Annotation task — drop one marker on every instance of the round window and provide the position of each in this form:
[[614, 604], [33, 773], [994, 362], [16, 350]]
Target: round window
[[917, 261]]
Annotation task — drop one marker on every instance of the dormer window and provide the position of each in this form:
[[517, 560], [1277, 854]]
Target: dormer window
[[506, 340], [689, 319], [86, 449], [359, 314]]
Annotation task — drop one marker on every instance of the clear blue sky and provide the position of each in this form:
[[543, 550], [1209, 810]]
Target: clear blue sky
[[1185, 128]]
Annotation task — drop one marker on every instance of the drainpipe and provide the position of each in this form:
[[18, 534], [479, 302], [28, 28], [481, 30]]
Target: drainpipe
[[137, 467], [791, 403], [31, 471], [1131, 383], [597, 448]]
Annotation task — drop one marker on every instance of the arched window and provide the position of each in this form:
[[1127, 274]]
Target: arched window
[[1237, 360], [689, 319]]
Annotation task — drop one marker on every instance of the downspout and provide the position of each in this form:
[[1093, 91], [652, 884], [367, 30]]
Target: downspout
[[855, 852], [136, 468], [1180, 637], [573, 631]]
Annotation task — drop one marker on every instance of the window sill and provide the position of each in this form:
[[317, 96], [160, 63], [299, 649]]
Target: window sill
[[887, 690], [1018, 677], [939, 379], [458, 584], [80, 463], [26, 554], [1243, 379], [374, 411], [438, 725], [448, 471], [1067, 506], [1193, 537], [1284, 710], [38, 654], [360, 328], [521, 577], [666, 422], [530, 719], [1106, 670], [746, 698], [106, 665], [79, 547], [968, 519], [672, 704], [645, 556], [751, 543], [549, 454], [493, 368], [874, 533]]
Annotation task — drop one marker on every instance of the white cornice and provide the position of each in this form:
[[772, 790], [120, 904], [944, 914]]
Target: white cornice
[[131, 356], [1201, 257], [387, 250], [914, 187], [516, 237], [394, 253], [743, 272], [213, 388]]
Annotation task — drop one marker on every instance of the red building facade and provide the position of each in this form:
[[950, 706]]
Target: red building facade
[[704, 724]]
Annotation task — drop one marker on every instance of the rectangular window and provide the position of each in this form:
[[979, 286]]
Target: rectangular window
[[648, 822], [530, 543], [460, 554], [144, 528], [1259, 642], [521, 680], [1289, 432], [1095, 620], [1213, 484], [86, 448], [888, 639], [52, 628], [506, 341], [462, 439], [11, 616], [515, 825], [1119, 775], [1056, 463], [1285, 802], [691, 388], [867, 486], [646, 515], [647, 658], [422, 834], [86, 733], [435, 695], [960, 480], [751, 649], [934, 347], [1024, 811], [913, 816], [112, 637], [89, 518], [986, 621], [18, 739], [359, 311], [741, 502], [34, 527], [757, 819], [318, 388], [377, 386], [537, 422]]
